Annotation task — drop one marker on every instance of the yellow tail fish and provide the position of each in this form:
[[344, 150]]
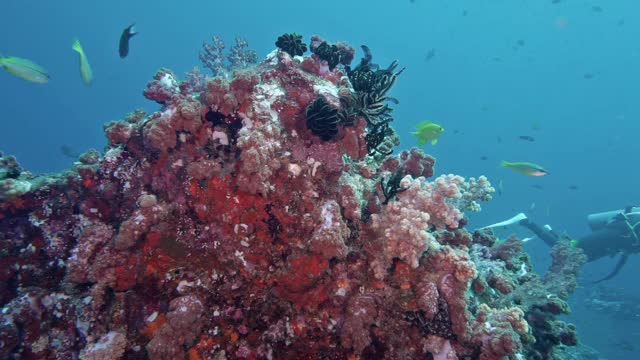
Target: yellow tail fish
[[85, 68]]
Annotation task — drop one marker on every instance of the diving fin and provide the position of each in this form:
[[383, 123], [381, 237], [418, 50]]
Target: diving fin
[[616, 270], [514, 220]]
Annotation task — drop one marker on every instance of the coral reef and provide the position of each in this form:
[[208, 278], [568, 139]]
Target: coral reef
[[506, 279], [222, 227], [332, 54], [369, 100]]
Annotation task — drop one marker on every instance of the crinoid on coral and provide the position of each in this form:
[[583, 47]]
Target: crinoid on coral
[[322, 119], [381, 139], [333, 54], [392, 187], [438, 324], [369, 100], [291, 44], [372, 85], [329, 53]]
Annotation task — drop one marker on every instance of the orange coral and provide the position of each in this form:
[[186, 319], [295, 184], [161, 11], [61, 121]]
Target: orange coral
[[193, 354], [151, 327]]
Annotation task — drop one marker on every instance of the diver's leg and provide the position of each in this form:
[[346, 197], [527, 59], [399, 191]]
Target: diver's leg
[[549, 237]]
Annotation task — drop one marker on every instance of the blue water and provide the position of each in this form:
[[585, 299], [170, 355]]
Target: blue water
[[566, 74]]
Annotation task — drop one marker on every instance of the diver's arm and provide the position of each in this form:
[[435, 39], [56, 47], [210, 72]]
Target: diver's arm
[[549, 237]]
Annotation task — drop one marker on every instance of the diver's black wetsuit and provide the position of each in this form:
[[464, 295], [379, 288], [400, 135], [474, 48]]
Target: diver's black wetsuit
[[617, 236], [608, 241]]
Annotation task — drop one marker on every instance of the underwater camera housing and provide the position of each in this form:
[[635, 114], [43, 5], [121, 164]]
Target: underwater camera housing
[[598, 221]]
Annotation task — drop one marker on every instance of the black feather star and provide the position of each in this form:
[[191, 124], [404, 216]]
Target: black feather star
[[322, 119], [330, 53], [291, 44]]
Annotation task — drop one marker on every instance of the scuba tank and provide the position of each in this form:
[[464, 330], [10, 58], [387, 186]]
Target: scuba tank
[[598, 221], [613, 232], [619, 230]]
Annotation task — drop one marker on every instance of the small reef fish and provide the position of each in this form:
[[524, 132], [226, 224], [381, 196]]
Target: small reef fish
[[24, 69], [527, 138], [500, 187], [85, 68], [537, 186], [527, 168], [123, 46], [430, 55], [69, 152], [428, 131], [573, 187]]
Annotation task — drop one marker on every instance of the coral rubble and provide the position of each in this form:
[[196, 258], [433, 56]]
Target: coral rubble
[[223, 227]]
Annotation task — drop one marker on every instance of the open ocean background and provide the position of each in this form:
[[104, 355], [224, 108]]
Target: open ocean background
[[488, 71]]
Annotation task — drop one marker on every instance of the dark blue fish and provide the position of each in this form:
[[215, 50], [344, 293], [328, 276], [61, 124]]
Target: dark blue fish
[[430, 55], [69, 152], [527, 138], [127, 34]]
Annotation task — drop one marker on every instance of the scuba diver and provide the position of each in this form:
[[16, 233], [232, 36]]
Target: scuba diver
[[612, 232]]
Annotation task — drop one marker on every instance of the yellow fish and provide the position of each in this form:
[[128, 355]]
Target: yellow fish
[[428, 131], [85, 68], [24, 69]]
